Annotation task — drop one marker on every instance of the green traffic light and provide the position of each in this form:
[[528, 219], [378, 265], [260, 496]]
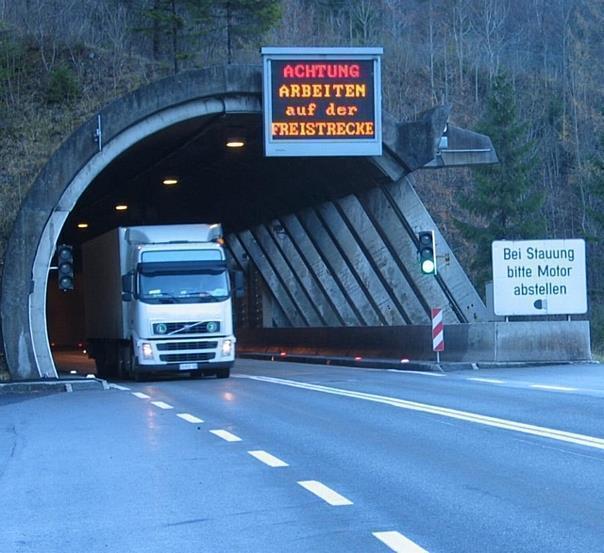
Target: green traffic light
[[428, 266], [427, 252]]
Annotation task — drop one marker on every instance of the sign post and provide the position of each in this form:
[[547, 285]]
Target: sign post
[[539, 277], [322, 101], [438, 332]]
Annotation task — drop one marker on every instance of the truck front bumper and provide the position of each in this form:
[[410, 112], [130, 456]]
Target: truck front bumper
[[178, 367], [185, 355]]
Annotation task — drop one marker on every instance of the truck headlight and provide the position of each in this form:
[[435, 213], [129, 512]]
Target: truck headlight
[[147, 350], [227, 348]]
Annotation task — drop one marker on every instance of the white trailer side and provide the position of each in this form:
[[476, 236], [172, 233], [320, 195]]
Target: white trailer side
[[105, 316]]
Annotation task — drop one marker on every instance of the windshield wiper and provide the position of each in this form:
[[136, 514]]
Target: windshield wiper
[[203, 296], [162, 297]]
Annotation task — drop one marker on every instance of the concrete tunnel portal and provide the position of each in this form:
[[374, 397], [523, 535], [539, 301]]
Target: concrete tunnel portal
[[330, 242]]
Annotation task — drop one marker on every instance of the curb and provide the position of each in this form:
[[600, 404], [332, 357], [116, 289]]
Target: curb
[[71, 385], [424, 366], [366, 363]]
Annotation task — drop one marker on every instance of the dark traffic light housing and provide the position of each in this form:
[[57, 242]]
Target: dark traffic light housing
[[65, 267], [426, 252]]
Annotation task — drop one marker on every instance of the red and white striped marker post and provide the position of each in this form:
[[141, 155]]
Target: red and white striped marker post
[[438, 332]]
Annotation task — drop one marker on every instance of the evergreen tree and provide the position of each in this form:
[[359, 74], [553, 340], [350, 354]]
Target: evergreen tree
[[242, 20], [175, 26], [596, 246], [503, 203], [167, 24], [596, 187]]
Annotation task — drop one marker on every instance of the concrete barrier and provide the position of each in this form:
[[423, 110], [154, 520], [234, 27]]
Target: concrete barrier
[[499, 342]]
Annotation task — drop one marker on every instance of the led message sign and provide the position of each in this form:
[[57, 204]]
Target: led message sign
[[322, 102]]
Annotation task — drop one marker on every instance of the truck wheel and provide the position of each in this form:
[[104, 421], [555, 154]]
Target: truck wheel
[[101, 368], [100, 361], [139, 376], [223, 373], [128, 365], [134, 372], [123, 362]]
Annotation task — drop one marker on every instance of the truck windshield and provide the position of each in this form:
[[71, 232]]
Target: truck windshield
[[198, 287]]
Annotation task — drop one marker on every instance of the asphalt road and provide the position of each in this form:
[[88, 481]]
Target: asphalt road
[[285, 457]]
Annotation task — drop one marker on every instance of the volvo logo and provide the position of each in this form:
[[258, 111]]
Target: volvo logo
[[161, 328], [212, 326]]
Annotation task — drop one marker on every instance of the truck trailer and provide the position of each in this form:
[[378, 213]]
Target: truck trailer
[[159, 299]]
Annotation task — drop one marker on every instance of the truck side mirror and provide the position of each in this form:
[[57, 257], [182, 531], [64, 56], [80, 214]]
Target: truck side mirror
[[239, 280], [127, 286]]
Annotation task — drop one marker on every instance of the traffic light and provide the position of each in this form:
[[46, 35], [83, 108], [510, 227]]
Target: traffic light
[[426, 252], [65, 267]]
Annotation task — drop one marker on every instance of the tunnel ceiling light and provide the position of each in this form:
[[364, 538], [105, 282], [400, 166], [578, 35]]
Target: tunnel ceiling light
[[170, 181], [235, 142], [234, 136], [121, 207], [82, 225]]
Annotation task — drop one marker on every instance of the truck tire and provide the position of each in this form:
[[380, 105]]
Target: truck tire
[[128, 365], [139, 376], [223, 373], [124, 367], [101, 368], [100, 360]]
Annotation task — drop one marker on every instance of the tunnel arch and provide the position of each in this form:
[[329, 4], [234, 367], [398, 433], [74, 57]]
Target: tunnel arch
[[69, 171], [72, 168]]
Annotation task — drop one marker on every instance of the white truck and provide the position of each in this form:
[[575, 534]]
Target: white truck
[[159, 299]]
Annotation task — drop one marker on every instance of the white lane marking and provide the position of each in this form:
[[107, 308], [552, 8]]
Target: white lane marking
[[426, 373], [225, 435], [399, 543], [489, 380], [325, 493], [268, 459], [118, 387], [189, 418], [140, 395], [555, 388], [162, 405], [560, 435]]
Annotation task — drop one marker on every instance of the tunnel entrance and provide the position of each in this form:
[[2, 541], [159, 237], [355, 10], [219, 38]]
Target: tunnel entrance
[[188, 173], [175, 126], [328, 241]]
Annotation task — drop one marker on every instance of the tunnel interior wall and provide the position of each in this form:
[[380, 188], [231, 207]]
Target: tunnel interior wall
[[66, 326], [353, 262]]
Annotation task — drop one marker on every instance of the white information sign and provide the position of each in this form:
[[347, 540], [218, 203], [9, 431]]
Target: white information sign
[[539, 277]]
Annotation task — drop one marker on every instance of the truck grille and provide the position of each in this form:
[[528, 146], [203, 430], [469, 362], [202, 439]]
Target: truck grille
[[184, 357], [176, 346], [192, 327]]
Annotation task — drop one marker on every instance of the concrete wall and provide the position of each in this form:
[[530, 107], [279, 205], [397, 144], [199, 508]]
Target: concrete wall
[[539, 341], [353, 262]]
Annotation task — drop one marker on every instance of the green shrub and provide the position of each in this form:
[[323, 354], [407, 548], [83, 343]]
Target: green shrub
[[63, 85], [597, 327]]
